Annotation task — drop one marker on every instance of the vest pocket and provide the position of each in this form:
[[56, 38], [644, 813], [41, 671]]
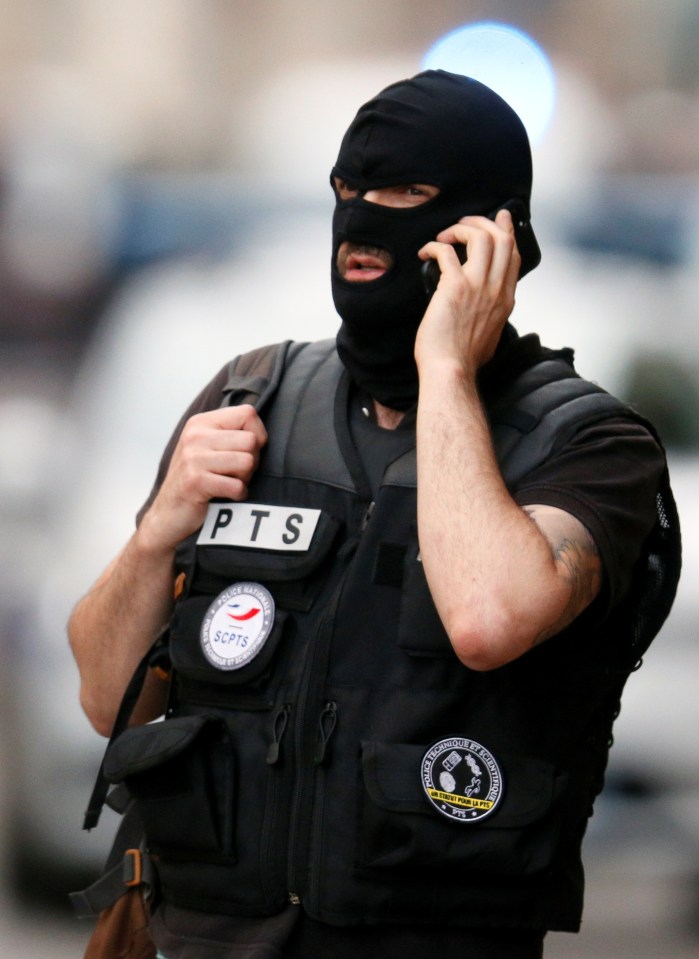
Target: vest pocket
[[290, 576], [400, 833], [420, 630], [189, 659], [181, 773]]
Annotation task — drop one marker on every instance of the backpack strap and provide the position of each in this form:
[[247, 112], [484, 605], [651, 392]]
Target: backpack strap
[[126, 708], [254, 377], [128, 865]]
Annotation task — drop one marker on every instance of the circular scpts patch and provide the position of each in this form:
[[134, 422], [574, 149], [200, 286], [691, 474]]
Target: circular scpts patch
[[236, 625], [461, 779]]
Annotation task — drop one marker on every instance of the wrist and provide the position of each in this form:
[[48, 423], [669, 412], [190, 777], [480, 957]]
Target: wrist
[[440, 376], [151, 539]]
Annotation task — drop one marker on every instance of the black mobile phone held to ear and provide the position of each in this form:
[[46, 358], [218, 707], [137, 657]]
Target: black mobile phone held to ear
[[431, 272], [524, 237]]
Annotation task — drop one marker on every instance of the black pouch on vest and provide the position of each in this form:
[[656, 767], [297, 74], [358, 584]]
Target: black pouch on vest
[[182, 775], [402, 836], [189, 776], [291, 578], [289, 575]]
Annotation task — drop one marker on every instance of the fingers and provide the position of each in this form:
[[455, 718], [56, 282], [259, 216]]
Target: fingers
[[443, 252], [249, 421], [215, 458], [510, 260], [237, 424], [464, 322], [491, 246], [218, 452], [228, 428]]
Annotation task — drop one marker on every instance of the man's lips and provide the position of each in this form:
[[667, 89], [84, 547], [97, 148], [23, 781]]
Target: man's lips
[[359, 263]]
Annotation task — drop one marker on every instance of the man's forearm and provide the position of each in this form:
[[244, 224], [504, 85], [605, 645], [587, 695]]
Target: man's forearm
[[490, 569], [115, 623]]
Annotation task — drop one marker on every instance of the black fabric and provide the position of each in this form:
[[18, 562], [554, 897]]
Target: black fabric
[[182, 934], [377, 446], [353, 667], [601, 477], [413, 942], [437, 128], [126, 708]]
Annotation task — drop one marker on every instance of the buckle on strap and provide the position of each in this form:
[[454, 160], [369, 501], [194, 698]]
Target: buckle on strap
[[133, 867]]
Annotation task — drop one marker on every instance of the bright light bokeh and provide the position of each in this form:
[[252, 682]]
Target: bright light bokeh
[[508, 61]]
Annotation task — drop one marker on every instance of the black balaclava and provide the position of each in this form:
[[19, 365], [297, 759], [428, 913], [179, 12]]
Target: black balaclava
[[437, 128]]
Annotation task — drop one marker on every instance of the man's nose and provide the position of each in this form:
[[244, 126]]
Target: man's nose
[[374, 196]]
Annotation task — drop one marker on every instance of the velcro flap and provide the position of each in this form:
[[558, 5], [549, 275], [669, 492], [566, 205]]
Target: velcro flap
[[144, 747], [266, 558], [392, 776]]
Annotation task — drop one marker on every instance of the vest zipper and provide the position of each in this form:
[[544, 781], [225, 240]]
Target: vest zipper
[[326, 727], [367, 516], [279, 727], [327, 721], [229, 794], [303, 791], [350, 546], [302, 796]]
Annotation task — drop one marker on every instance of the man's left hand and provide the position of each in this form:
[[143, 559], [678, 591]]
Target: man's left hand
[[473, 301]]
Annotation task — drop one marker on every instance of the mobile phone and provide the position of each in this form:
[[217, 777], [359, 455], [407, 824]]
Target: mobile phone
[[524, 236], [431, 272]]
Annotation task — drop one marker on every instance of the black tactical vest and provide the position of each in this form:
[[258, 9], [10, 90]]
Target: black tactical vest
[[324, 745]]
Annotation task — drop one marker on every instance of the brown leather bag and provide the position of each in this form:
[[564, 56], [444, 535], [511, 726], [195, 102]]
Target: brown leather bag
[[122, 930]]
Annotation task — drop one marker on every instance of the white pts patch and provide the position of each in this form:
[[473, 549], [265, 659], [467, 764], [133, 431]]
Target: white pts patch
[[257, 526], [236, 625]]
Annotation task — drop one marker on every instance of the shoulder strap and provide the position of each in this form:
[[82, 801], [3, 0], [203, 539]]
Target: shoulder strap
[[301, 422], [128, 703], [540, 411], [254, 377]]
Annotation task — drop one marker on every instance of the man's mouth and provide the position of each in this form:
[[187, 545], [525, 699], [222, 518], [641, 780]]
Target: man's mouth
[[360, 263]]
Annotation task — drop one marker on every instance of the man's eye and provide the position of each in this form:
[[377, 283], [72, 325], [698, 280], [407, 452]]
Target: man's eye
[[420, 191]]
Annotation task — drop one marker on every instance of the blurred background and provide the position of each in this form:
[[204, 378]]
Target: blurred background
[[164, 205]]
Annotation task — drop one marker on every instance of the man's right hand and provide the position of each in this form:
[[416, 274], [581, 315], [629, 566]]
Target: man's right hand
[[116, 622], [215, 457]]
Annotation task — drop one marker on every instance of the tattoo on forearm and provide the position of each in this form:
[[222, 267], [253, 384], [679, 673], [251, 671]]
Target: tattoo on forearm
[[579, 560]]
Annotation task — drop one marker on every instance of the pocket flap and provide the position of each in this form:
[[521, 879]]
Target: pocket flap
[[392, 776], [143, 747], [393, 780], [234, 561]]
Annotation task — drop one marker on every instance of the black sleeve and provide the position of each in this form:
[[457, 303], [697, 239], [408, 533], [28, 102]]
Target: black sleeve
[[208, 399], [608, 477]]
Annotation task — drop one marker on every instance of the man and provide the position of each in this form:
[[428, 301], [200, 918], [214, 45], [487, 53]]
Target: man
[[410, 583]]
